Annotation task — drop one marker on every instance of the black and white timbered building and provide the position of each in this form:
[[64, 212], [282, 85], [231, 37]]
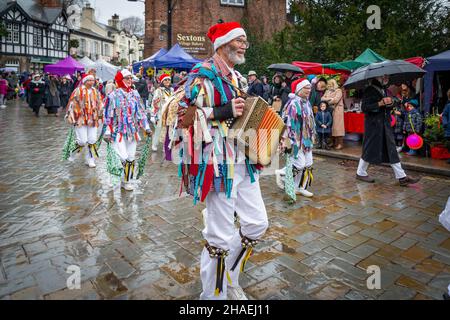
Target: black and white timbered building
[[37, 34]]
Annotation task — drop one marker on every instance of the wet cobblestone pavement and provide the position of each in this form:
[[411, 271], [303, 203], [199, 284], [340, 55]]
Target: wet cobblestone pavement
[[146, 244]]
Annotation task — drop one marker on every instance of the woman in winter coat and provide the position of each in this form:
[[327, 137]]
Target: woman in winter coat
[[52, 101], [37, 92], [65, 91], [335, 98]]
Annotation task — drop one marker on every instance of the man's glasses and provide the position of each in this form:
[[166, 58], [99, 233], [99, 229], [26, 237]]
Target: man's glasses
[[243, 43], [127, 78]]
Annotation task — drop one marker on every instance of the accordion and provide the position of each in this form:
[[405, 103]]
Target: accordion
[[258, 131]]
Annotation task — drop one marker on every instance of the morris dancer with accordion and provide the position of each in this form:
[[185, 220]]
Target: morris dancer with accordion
[[199, 117]]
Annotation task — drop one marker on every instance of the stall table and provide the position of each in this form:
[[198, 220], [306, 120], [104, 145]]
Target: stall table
[[354, 122]]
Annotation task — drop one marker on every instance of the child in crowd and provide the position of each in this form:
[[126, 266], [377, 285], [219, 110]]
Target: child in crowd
[[413, 120], [324, 121], [397, 129]]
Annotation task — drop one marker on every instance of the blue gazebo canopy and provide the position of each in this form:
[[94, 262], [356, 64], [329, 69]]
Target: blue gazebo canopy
[[176, 58], [439, 62], [149, 62]]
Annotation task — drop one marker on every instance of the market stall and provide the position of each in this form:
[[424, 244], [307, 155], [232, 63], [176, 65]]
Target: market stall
[[66, 66]]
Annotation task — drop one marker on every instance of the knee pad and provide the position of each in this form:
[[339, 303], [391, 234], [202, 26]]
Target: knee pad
[[92, 148], [247, 249], [128, 167], [307, 178], [219, 254]]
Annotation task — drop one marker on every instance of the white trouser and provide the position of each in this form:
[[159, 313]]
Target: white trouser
[[86, 135], [125, 149], [2, 99], [304, 160], [157, 135], [364, 165], [221, 232]]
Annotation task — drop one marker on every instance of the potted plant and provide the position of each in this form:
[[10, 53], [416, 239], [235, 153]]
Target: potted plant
[[434, 136]]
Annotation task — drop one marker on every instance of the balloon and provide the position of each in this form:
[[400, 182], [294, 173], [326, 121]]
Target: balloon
[[414, 141], [393, 121]]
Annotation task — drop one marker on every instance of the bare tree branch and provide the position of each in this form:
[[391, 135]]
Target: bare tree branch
[[133, 25]]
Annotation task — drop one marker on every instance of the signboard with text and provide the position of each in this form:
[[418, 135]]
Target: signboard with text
[[194, 44]]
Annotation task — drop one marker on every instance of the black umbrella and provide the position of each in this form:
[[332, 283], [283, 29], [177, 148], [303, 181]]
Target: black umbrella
[[399, 71], [283, 67]]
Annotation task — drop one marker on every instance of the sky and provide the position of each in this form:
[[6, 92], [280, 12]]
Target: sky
[[104, 9]]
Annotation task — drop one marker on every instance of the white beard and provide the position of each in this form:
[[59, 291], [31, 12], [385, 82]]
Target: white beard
[[233, 57]]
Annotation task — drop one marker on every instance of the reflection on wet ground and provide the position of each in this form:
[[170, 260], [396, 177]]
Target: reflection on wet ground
[[146, 244]]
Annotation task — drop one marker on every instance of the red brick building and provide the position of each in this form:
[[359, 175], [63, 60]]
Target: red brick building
[[190, 20]]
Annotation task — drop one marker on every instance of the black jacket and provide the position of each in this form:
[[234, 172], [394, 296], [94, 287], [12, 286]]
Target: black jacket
[[379, 144], [256, 89], [37, 92], [142, 88]]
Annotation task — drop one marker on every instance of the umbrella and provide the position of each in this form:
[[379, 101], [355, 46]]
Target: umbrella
[[398, 70], [283, 67]]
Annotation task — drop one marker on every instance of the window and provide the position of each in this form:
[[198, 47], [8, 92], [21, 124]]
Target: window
[[37, 37], [58, 41], [83, 45], [95, 49], [239, 3], [106, 50], [13, 32]]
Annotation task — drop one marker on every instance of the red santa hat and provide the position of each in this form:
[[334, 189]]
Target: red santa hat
[[299, 84], [222, 33], [119, 79], [87, 77], [163, 77]]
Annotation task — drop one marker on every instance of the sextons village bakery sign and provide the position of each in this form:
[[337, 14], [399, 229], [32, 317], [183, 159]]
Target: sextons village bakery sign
[[193, 43]]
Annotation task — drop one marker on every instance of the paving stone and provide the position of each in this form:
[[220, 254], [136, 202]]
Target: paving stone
[[416, 254], [266, 288], [338, 254], [317, 260], [307, 237], [263, 272], [404, 243], [312, 247], [332, 292], [349, 230], [363, 251], [355, 240], [398, 293]]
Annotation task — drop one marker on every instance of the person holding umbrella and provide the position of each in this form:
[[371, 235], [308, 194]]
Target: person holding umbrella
[[379, 144]]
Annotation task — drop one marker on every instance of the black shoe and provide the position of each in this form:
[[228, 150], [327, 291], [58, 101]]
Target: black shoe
[[446, 296], [406, 181], [365, 178]]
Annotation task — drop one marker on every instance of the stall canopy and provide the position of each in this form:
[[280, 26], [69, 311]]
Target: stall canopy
[[176, 58], [149, 62], [439, 62], [367, 57], [86, 62], [66, 66], [104, 70]]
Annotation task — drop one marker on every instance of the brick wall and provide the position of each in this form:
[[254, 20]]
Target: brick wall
[[194, 17]]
